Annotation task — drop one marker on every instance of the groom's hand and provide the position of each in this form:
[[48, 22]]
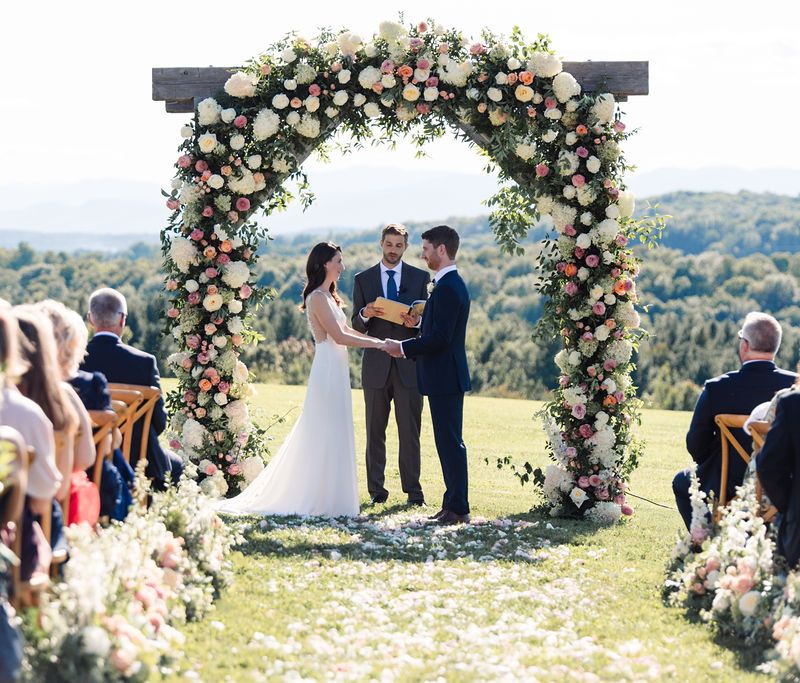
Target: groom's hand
[[393, 348], [410, 319]]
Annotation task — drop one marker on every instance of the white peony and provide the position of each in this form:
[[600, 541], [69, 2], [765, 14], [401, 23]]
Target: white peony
[[601, 333], [235, 306], [288, 55], [309, 126], [235, 325], [192, 286], [251, 468], [603, 108], [228, 115], [237, 142], [344, 76], [748, 603], [359, 99], [340, 98], [422, 75], [565, 86], [627, 203], [369, 77], [254, 161], [208, 112], [494, 94], [220, 399], [183, 253], [456, 73], [207, 142], [213, 302], [245, 184], [349, 43], [311, 103], [372, 110], [267, 123], [430, 94], [216, 181], [568, 192], [391, 31], [553, 114], [280, 101], [388, 81], [290, 84], [568, 163], [241, 85], [544, 65], [235, 274], [549, 135], [513, 64], [593, 164], [607, 230]]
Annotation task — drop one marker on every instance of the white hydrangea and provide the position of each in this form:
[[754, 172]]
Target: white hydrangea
[[235, 274], [237, 414], [391, 31], [208, 112], [574, 396], [563, 215], [587, 218], [281, 165], [544, 65], [372, 110], [308, 126], [569, 192], [368, 77], [235, 325], [568, 162], [349, 43], [456, 73], [194, 434], [584, 240], [626, 315], [620, 351], [305, 73], [565, 246], [241, 84], [214, 486], [607, 230], [406, 114], [183, 253], [565, 86], [545, 205], [557, 482], [604, 512], [525, 150], [245, 184], [586, 195], [251, 468], [603, 108], [266, 124], [612, 211]]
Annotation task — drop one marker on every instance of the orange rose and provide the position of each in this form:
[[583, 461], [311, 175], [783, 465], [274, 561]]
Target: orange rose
[[226, 170], [525, 77], [571, 270], [211, 289], [205, 385], [609, 401], [296, 103], [226, 247], [237, 339], [610, 323], [258, 177], [209, 252], [581, 129], [619, 288], [405, 71]]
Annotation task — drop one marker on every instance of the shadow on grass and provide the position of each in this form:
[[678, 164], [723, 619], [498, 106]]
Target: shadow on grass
[[405, 534]]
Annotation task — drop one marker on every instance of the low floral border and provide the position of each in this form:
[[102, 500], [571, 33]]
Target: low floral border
[[558, 152]]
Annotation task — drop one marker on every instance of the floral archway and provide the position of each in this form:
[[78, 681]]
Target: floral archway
[[558, 153]]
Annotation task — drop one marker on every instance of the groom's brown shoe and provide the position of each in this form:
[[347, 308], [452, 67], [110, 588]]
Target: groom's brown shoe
[[438, 515], [449, 518]]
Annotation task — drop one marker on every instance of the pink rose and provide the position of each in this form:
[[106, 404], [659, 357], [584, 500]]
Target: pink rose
[[193, 341], [609, 365], [211, 273], [570, 230], [571, 289], [314, 90], [579, 411], [242, 204], [591, 371], [200, 166], [416, 43], [570, 452], [210, 329], [432, 82], [174, 444], [173, 312], [173, 204], [615, 272], [579, 253], [563, 381], [210, 469], [422, 27], [203, 357], [619, 126], [619, 500], [550, 102], [601, 493], [620, 396], [621, 240], [627, 510], [583, 481], [423, 64], [585, 431], [578, 180], [234, 469], [208, 211], [388, 66], [423, 108], [599, 308], [184, 161], [444, 48], [476, 49], [233, 217], [240, 121], [245, 291], [172, 285], [592, 260], [542, 170], [223, 259], [587, 336], [193, 298], [582, 152], [196, 235], [560, 266], [189, 396], [223, 387]]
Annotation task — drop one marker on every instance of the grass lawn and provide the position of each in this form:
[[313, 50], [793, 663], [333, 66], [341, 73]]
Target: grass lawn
[[514, 595]]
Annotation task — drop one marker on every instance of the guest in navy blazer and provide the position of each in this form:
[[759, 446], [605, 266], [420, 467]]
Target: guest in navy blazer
[[778, 467], [121, 363], [442, 372], [736, 392]]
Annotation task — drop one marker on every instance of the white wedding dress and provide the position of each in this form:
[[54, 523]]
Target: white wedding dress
[[314, 471]]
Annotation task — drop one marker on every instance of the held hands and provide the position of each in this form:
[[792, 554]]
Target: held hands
[[372, 311], [393, 348]]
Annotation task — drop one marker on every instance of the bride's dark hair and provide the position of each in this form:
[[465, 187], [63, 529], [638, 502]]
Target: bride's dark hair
[[322, 253]]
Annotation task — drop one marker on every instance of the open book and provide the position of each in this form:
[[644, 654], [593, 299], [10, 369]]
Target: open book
[[393, 309]]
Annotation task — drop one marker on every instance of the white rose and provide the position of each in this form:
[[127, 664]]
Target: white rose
[[228, 115], [266, 124], [359, 99], [550, 135], [601, 333], [207, 142], [290, 84], [372, 110], [583, 274], [609, 299], [525, 151], [422, 75], [553, 114], [288, 55], [370, 50], [388, 81], [593, 164], [570, 138], [254, 161], [220, 399], [208, 112], [235, 306], [311, 103], [331, 112], [340, 98], [369, 77], [213, 302], [587, 218], [595, 293], [192, 286], [220, 341], [544, 65], [430, 94], [537, 98], [293, 118], [607, 230], [513, 64], [411, 93], [565, 86], [578, 496], [187, 132], [237, 142], [494, 94], [574, 358], [748, 603], [344, 76], [568, 192], [500, 78], [216, 182], [241, 85], [280, 101], [612, 211]]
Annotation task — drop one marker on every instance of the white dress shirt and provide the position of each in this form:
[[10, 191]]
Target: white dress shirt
[[398, 271]]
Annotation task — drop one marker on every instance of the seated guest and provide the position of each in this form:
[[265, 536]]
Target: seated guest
[[736, 392], [122, 363], [92, 389], [778, 467]]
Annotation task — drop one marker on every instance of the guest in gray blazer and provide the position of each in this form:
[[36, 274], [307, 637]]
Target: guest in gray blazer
[[385, 379]]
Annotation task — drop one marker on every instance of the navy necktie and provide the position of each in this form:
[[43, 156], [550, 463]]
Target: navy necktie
[[391, 286]]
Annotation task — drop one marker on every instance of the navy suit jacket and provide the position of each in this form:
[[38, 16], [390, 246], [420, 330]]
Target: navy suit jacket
[[736, 392], [778, 467], [440, 349], [124, 364]]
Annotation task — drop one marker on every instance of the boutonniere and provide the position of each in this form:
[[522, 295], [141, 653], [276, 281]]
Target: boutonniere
[[431, 287]]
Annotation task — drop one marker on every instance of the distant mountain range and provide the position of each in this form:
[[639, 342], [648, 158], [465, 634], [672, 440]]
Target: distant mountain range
[[109, 215]]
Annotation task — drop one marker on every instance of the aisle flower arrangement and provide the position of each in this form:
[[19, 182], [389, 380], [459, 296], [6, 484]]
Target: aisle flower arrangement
[[127, 588], [730, 575], [559, 154]]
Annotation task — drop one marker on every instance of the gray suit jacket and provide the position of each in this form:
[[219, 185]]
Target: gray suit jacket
[[366, 288]]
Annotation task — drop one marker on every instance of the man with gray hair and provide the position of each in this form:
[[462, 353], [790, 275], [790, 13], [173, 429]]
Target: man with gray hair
[[121, 363], [737, 393]]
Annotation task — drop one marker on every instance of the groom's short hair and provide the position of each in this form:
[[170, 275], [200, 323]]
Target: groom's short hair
[[443, 234], [395, 229]]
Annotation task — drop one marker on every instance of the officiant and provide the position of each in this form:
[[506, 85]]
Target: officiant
[[385, 379]]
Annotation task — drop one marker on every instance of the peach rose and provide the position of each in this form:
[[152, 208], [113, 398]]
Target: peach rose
[[205, 385], [571, 270], [525, 77]]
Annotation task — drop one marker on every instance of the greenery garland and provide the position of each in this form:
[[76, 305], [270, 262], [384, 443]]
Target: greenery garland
[[558, 154]]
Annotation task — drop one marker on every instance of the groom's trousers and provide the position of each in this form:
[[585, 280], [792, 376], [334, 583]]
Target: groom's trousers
[[408, 415], [447, 414]]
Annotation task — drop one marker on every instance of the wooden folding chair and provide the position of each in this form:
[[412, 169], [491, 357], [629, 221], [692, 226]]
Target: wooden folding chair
[[143, 411], [61, 555], [125, 402], [12, 493], [758, 430], [726, 423], [103, 423]]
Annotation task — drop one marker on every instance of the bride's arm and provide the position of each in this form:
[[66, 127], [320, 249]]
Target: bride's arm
[[319, 307]]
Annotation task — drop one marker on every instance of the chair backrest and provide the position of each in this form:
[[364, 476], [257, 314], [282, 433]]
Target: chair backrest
[[143, 411], [13, 494], [103, 423], [758, 430], [125, 402], [725, 423]]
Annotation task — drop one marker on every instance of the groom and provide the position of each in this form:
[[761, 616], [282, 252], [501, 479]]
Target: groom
[[442, 372]]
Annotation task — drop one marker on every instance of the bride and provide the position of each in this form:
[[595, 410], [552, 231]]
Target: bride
[[314, 471]]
